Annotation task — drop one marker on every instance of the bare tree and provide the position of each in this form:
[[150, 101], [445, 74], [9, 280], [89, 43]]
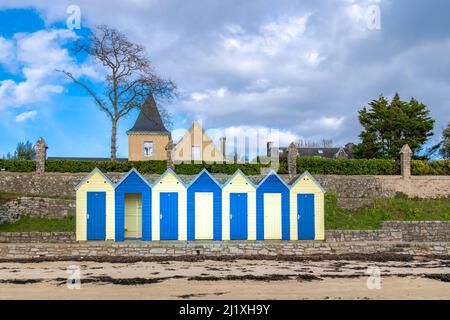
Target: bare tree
[[129, 80]]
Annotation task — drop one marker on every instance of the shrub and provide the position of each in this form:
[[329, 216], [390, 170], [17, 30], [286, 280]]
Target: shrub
[[18, 165], [436, 167], [348, 166]]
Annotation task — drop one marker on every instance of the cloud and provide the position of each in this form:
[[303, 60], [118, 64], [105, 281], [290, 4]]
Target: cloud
[[24, 116], [303, 67], [39, 55]]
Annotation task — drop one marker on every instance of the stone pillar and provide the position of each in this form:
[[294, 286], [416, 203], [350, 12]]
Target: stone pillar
[[223, 150], [292, 154], [41, 155], [169, 154], [405, 161]]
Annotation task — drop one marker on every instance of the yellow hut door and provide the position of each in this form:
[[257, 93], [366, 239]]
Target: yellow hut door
[[204, 208], [133, 216], [272, 216]]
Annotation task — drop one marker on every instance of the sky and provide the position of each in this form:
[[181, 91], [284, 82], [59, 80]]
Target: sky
[[303, 68]]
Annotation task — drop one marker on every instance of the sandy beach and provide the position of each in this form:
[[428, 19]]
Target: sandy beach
[[236, 279]]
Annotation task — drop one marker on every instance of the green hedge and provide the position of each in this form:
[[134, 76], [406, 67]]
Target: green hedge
[[105, 166], [313, 165], [348, 166], [437, 167], [18, 165]]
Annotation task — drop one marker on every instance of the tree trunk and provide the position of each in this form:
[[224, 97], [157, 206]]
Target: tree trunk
[[114, 140]]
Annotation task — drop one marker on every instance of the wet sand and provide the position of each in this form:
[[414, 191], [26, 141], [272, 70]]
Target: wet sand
[[239, 279]]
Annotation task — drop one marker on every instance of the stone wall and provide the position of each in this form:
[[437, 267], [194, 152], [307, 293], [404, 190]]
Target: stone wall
[[352, 191], [420, 230], [37, 237], [15, 208], [393, 231], [218, 248], [363, 235]]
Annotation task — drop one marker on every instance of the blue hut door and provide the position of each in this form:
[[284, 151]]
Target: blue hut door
[[238, 216], [96, 215], [305, 216], [168, 215]]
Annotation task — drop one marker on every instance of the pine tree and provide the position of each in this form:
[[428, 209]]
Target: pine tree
[[389, 126]]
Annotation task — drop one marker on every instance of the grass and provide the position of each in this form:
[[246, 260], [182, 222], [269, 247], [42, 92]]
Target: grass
[[28, 224], [399, 208]]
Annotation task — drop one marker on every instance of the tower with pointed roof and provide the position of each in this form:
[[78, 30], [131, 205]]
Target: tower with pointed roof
[[148, 138]]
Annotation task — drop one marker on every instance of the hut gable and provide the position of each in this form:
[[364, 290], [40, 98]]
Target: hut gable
[[307, 186], [204, 183], [239, 181], [272, 184], [169, 183], [306, 183], [239, 184], [95, 181], [133, 183]]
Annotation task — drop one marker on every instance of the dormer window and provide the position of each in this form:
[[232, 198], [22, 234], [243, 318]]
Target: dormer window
[[148, 149]]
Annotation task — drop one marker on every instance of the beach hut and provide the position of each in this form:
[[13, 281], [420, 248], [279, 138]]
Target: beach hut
[[204, 209], [133, 198], [169, 195], [95, 207], [272, 209], [238, 208], [307, 208]]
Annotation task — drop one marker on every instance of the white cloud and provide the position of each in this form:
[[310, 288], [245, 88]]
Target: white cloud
[[40, 54], [24, 116], [6, 54]]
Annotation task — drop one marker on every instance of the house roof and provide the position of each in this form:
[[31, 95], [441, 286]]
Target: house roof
[[204, 171], [306, 173], [272, 173], [86, 159], [169, 170], [318, 152], [91, 174], [133, 170], [149, 119], [239, 171]]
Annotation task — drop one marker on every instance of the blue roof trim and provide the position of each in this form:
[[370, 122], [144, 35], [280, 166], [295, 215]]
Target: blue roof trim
[[169, 170], [272, 172], [239, 171], [209, 174], [139, 175], [306, 173], [90, 175]]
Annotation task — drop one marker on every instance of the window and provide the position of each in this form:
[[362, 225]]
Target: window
[[148, 149], [196, 155]]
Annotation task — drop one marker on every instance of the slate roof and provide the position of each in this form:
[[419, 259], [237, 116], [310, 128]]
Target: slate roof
[[318, 152], [149, 119], [86, 159]]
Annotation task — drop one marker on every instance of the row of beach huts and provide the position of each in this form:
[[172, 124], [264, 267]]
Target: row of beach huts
[[203, 209]]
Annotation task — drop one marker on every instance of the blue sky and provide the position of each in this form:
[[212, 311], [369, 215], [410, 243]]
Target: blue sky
[[304, 68]]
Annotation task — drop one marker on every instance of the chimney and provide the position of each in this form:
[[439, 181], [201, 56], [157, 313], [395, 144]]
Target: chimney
[[269, 148], [223, 150]]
